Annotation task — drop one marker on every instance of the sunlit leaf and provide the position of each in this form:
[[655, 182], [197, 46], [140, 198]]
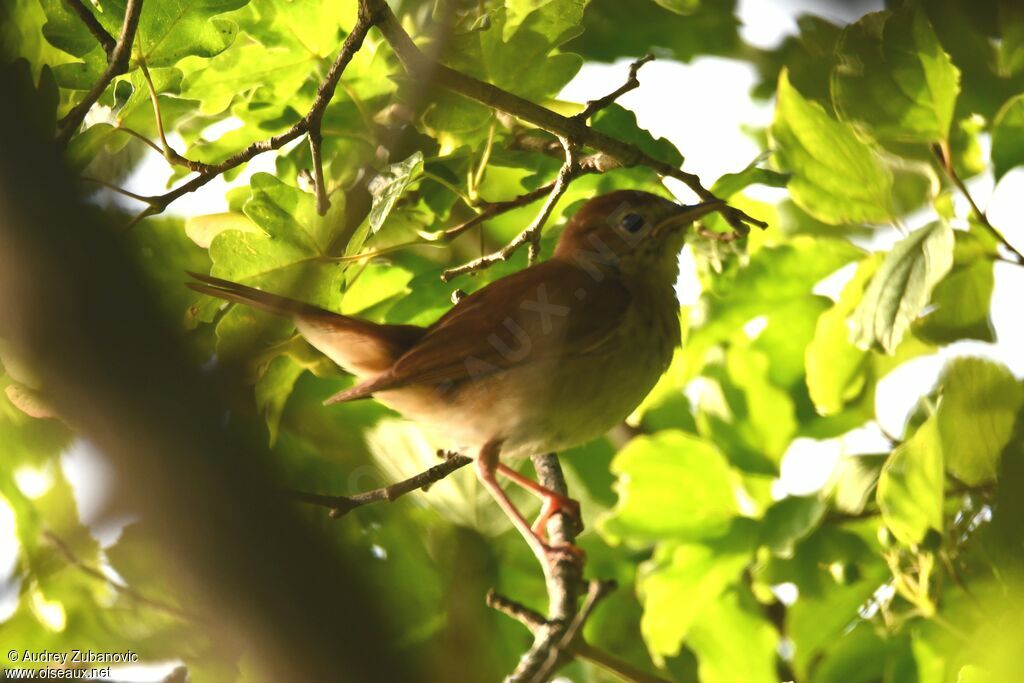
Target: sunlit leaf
[[902, 286], [836, 176], [388, 186], [688, 579], [894, 77], [671, 485], [910, 488], [976, 416]]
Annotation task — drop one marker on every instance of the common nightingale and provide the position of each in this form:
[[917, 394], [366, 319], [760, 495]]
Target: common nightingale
[[542, 360]]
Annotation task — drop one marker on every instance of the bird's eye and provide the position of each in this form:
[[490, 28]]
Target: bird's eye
[[632, 222]]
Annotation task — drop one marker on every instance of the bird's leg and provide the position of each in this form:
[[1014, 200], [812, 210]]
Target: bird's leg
[[553, 503], [486, 467]]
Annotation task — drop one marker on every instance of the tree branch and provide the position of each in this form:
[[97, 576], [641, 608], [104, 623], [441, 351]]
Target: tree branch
[[342, 505], [534, 621], [117, 64], [945, 160], [575, 130], [98, 32], [632, 83], [309, 122], [531, 235]]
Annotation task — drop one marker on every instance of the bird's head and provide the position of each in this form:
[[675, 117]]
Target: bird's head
[[632, 233]]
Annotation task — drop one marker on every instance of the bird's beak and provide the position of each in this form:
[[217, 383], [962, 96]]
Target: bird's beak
[[688, 214]]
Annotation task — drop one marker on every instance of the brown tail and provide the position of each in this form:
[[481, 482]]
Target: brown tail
[[358, 346], [257, 298]]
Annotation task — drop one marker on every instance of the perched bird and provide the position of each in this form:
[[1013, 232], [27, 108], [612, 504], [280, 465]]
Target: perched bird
[[539, 361]]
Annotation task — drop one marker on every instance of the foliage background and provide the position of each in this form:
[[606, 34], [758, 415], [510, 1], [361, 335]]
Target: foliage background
[[903, 566]]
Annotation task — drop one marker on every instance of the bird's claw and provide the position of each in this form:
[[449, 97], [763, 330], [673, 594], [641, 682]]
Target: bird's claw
[[556, 504]]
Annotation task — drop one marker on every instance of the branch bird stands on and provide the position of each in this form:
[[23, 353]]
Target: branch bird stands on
[[536, 362]]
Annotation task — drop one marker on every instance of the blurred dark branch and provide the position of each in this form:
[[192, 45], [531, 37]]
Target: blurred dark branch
[[341, 505], [127, 591], [117, 64], [75, 308], [105, 40]]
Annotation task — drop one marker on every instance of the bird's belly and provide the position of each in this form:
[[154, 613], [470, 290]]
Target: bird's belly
[[545, 406]]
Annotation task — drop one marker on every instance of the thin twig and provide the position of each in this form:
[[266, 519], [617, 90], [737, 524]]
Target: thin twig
[[632, 83], [419, 65], [341, 505], [105, 40], [530, 618], [534, 621], [531, 235], [325, 92], [165, 149], [614, 665], [562, 648], [946, 162], [117, 64]]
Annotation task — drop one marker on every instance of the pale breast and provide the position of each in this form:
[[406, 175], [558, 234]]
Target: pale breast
[[538, 407]]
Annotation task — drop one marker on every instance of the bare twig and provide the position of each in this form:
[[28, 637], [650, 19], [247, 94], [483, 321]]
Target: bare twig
[[488, 210], [632, 83], [534, 621], [117, 64], [341, 505], [105, 40], [312, 119], [946, 162], [419, 65], [530, 618], [165, 149], [531, 235], [560, 648]]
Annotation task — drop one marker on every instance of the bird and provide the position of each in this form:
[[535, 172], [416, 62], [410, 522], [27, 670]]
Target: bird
[[545, 359]]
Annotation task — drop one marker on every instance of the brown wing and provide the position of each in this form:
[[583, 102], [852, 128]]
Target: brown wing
[[359, 346], [535, 315]]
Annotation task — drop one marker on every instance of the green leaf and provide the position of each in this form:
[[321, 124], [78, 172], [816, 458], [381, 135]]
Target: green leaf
[[835, 366], [621, 124], [733, 183], [170, 30], [523, 61], [277, 73], [836, 177], [285, 256], [554, 17], [388, 186], [680, 6], [1008, 136], [903, 285], [961, 300], [677, 589], [734, 642], [976, 416], [894, 77], [710, 29], [273, 389], [671, 485], [789, 520], [911, 486]]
